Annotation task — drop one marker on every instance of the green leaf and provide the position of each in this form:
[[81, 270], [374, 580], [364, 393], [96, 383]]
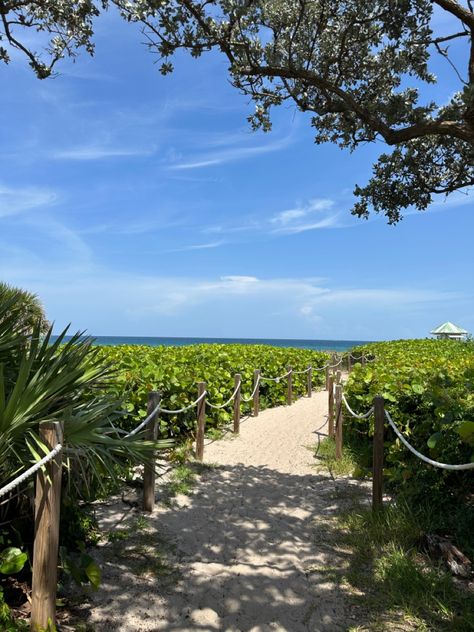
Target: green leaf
[[12, 560], [418, 388], [466, 431], [433, 440], [93, 574]]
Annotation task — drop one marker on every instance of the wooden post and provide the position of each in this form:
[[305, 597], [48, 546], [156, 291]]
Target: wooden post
[[289, 393], [201, 422], [45, 551], [309, 384], [154, 398], [333, 362], [349, 364], [339, 421], [256, 395], [331, 407], [237, 387], [327, 377], [338, 377], [363, 360], [377, 476]]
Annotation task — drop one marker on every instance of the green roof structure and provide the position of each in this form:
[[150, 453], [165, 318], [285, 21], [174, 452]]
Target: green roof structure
[[448, 329]]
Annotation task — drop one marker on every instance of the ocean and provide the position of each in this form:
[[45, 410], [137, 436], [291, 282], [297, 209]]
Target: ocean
[[317, 345]]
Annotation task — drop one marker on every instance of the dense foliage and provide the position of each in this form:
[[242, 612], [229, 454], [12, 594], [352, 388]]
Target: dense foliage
[[428, 389], [356, 66], [59, 381], [176, 371], [26, 307]]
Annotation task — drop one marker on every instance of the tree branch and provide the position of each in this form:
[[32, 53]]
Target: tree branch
[[458, 10], [391, 136]]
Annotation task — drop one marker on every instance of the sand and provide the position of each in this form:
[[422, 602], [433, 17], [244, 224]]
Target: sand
[[249, 550]]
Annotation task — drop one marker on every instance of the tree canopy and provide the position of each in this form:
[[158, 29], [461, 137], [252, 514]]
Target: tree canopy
[[358, 66]]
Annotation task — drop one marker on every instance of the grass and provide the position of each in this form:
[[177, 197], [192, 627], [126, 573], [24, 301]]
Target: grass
[[393, 583], [183, 479], [325, 451], [388, 567]]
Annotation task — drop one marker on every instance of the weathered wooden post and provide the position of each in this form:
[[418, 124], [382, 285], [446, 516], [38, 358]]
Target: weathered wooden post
[[289, 392], [333, 362], [339, 421], [237, 388], [328, 373], [256, 395], [154, 398], [349, 364], [338, 377], [363, 360], [309, 383], [201, 422], [331, 407], [377, 475], [45, 551]]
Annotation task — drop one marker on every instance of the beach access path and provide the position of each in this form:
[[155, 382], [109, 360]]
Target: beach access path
[[250, 549]]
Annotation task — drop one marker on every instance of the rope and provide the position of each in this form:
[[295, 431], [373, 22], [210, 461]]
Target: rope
[[333, 366], [353, 414], [183, 410], [229, 400], [144, 422], [32, 470], [444, 466], [276, 379], [158, 409], [302, 372], [248, 399], [321, 368]]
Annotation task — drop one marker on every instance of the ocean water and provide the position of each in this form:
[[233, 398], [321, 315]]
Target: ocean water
[[317, 345]]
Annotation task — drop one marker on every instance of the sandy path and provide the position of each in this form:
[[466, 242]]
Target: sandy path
[[245, 552]]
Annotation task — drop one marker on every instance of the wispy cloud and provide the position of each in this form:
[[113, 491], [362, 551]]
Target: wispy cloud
[[16, 200], [99, 152], [206, 246], [314, 215], [231, 153]]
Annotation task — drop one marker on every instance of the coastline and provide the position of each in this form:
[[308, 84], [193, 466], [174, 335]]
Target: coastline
[[151, 341]]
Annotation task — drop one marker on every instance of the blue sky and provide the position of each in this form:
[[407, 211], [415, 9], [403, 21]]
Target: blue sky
[[136, 204]]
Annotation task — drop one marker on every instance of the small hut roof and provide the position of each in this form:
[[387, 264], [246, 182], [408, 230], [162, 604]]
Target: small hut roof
[[449, 328]]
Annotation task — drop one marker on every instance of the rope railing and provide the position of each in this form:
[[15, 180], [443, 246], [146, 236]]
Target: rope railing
[[302, 372], [32, 470], [352, 413], [277, 378], [248, 399], [231, 398], [444, 466]]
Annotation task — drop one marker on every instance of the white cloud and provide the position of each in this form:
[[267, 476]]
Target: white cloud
[[231, 153], [315, 214], [99, 152], [207, 246], [14, 201]]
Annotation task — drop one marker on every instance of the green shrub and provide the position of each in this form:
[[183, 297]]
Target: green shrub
[[428, 390], [176, 371]]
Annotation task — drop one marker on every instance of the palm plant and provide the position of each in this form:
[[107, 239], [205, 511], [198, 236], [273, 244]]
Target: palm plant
[[26, 307], [41, 380]]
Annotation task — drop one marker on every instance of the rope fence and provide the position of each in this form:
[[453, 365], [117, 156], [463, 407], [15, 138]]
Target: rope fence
[[381, 416], [32, 470], [48, 471]]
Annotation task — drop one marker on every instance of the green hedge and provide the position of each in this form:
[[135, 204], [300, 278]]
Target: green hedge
[[428, 390], [176, 371]]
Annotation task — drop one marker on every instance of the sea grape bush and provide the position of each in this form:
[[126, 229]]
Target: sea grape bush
[[176, 371], [428, 389]]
